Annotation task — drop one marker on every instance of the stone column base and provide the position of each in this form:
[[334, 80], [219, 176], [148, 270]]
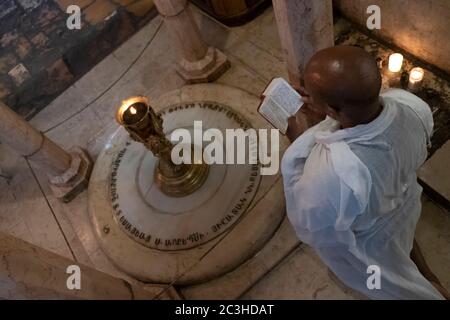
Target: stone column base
[[208, 69], [72, 182]]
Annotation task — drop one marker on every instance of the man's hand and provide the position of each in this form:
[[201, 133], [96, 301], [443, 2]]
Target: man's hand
[[305, 118], [294, 129]]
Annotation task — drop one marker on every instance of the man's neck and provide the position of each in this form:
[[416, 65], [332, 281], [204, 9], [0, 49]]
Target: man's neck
[[364, 118]]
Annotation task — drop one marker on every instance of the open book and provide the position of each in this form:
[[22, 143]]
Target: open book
[[280, 102]]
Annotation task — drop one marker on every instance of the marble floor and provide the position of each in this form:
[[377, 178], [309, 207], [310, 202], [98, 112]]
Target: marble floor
[[84, 115]]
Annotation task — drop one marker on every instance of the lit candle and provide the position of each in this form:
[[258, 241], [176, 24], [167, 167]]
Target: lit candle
[[395, 62], [132, 111], [415, 78], [135, 115]]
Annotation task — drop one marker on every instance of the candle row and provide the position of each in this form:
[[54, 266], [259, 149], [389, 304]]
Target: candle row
[[415, 75]]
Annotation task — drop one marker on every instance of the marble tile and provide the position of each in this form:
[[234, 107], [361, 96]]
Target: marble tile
[[263, 33], [74, 221], [78, 130], [97, 142], [78, 99], [169, 82], [302, 275], [163, 292], [24, 212], [235, 283], [433, 236], [101, 77], [435, 173], [77, 213], [130, 49], [31, 272], [261, 62], [63, 215], [243, 77], [159, 57], [63, 107]]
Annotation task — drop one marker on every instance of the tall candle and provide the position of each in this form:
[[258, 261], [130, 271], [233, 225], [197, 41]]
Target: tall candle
[[395, 62]]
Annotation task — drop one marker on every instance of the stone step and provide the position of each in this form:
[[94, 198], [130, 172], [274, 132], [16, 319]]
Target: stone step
[[434, 175]]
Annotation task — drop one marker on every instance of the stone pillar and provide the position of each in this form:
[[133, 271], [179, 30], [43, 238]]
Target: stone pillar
[[305, 27], [30, 272], [68, 172], [199, 63]]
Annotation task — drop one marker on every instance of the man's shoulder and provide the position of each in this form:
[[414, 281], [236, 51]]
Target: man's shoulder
[[319, 170], [413, 104], [404, 97]]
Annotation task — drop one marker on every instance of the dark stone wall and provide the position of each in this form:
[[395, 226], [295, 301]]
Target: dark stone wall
[[40, 57]]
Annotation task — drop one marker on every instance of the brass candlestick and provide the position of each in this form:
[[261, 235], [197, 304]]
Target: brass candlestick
[[146, 127]]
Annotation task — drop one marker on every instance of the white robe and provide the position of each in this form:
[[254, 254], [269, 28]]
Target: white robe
[[353, 195]]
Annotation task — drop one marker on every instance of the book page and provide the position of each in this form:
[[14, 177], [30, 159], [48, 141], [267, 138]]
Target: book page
[[271, 87], [276, 115], [285, 96]]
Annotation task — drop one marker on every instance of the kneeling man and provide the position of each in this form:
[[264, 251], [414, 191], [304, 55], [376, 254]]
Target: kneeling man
[[350, 181]]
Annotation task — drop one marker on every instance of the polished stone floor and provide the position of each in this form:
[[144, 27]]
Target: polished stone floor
[[84, 115]]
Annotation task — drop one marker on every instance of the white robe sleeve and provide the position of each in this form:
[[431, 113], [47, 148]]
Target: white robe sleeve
[[321, 204]]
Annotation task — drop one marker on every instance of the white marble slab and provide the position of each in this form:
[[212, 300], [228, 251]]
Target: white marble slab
[[302, 275], [235, 283], [435, 173], [24, 211]]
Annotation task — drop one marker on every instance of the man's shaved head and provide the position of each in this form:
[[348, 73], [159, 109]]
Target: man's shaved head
[[345, 78]]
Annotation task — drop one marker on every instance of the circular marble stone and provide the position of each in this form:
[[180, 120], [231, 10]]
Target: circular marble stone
[[191, 239], [162, 222]]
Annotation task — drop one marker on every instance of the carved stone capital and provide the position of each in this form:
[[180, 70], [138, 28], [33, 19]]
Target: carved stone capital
[[212, 66]]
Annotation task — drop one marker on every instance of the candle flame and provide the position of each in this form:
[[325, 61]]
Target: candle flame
[[395, 62], [128, 104], [416, 74]]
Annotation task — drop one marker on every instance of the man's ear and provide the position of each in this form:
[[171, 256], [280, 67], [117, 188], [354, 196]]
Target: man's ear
[[332, 112]]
